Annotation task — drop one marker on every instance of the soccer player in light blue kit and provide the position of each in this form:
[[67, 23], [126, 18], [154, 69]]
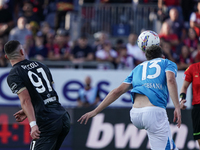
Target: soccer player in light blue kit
[[151, 83]]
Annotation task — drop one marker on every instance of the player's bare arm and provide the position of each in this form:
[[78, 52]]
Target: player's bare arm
[[184, 90], [173, 92], [20, 116], [29, 111], [110, 98]]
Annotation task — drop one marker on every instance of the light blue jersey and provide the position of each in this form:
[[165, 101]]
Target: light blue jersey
[[149, 78]]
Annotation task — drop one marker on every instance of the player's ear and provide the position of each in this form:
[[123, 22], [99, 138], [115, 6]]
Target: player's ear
[[22, 52], [6, 56]]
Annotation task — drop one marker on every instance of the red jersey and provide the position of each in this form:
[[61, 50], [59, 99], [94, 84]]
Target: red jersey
[[192, 74]]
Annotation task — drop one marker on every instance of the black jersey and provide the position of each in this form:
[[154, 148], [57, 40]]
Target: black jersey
[[37, 79]]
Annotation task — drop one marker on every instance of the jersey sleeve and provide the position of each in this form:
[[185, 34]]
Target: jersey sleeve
[[171, 66], [129, 78], [188, 74], [15, 83]]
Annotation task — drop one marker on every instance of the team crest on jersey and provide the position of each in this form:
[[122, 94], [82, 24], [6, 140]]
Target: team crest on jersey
[[144, 43]]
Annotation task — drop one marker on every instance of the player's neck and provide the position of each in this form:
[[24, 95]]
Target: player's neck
[[14, 61]]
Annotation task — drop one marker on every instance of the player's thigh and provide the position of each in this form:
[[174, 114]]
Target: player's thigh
[[48, 137], [161, 140], [158, 130], [64, 131], [43, 144]]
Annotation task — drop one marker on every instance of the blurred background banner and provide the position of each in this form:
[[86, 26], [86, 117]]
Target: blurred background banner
[[112, 129], [16, 136], [109, 130], [68, 82]]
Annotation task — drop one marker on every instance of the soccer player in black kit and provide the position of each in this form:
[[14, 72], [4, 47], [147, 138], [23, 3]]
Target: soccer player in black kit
[[32, 81]]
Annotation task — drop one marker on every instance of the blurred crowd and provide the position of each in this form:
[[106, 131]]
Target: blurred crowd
[[39, 26]]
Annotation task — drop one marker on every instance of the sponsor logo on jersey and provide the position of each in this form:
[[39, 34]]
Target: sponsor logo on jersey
[[13, 87]]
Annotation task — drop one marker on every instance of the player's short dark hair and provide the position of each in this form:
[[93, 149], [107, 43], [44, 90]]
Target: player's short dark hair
[[11, 46], [153, 51]]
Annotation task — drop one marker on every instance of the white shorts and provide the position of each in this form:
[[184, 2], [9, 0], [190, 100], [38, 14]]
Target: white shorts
[[155, 121]]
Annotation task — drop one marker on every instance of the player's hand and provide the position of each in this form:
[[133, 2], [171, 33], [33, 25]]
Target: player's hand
[[35, 133], [182, 104], [20, 116], [87, 116], [177, 117]]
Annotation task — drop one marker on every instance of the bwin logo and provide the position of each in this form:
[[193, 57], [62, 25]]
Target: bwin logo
[[102, 133], [121, 138]]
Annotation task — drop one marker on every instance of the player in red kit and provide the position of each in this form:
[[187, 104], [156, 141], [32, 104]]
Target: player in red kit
[[192, 75]]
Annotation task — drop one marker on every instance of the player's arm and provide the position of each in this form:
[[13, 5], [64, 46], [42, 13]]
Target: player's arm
[[183, 93], [173, 92], [111, 97], [27, 108]]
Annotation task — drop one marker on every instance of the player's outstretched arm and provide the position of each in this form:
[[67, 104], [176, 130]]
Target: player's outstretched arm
[[173, 92], [27, 107], [111, 97], [184, 90], [20, 116]]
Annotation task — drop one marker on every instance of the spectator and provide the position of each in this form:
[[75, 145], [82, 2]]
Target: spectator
[[29, 14], [39, 51], [197, 57], [191, 41], [107, 54], [61, 48], [195, 20], [6, 20], [50, 38], [167, 35], [20, 32], [176, 24], [29, 43], [33, 27], [45, 28], [124, 61], [82, 51], [119, 43], [100, 38], [185, 59], [134, 50], [164, 6], [167, 51], [3, 61], [88, 96], [62, 7]]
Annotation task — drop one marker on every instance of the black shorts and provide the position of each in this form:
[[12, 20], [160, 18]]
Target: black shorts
[[53, 135], [196, 121]]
